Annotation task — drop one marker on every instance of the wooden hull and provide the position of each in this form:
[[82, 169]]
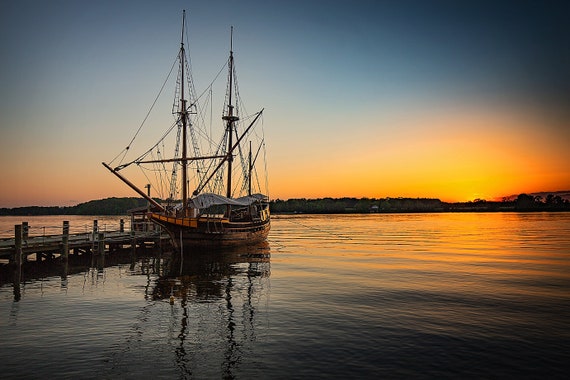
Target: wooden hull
[[212, 232]]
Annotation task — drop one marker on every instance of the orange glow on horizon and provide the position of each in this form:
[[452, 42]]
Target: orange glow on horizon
[[456, 158], [461, 156]]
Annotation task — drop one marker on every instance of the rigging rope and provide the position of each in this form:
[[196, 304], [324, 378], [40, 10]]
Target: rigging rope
[[147, 114], [208, 89]]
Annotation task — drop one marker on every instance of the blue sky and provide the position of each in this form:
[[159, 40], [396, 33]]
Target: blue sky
[[349, 88]]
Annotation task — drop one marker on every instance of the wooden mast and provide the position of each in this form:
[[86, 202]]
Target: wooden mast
[[184, 115], [230, 118], [236, 144], [249, 170], [252, 164]]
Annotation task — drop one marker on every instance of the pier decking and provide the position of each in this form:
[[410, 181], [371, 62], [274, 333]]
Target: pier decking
[[17, 249]]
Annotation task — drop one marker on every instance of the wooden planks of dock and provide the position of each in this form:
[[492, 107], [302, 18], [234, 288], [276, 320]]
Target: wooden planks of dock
[[17, 249]]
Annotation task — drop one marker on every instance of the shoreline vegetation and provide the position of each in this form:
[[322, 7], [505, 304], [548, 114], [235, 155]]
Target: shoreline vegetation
[[557, 201]]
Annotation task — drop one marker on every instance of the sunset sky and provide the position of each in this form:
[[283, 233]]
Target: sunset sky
[[454, 100]]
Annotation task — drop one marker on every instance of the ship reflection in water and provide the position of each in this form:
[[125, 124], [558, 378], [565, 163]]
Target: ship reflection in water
[[214, 301], [199, 276]]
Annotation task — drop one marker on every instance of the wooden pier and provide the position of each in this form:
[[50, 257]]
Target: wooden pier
[[19, 249]]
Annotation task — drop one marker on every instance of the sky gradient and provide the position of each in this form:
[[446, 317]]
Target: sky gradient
[[362, 98]]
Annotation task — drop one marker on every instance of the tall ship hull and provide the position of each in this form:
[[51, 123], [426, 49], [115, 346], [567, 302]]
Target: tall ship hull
[[228, 206], [205, 233], [248, 221]]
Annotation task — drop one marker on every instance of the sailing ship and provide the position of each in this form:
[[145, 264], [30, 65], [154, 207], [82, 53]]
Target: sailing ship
[[227, 206]]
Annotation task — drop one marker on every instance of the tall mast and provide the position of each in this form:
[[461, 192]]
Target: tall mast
[[230, 118], [250, 169], [184, 115]]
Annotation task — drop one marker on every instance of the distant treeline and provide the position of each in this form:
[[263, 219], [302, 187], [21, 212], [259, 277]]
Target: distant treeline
[[523, 202], [109, 206]]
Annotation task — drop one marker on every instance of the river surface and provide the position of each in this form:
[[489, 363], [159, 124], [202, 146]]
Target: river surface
[[443, 295]]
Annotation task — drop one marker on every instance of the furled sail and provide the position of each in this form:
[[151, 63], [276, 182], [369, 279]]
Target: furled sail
[[206, 200]]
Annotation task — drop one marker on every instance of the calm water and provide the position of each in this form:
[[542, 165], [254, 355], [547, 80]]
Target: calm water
[[369, 296]]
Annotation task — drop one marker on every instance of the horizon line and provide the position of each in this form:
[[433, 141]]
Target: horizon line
[[495, 199]]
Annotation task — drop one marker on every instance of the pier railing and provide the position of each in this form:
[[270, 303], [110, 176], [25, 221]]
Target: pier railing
[[44, 241]]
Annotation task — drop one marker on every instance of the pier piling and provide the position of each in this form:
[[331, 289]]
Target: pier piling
[[25, 231], [101, 250], [65, 240], [17, 261], [18, 245], [65, 249]]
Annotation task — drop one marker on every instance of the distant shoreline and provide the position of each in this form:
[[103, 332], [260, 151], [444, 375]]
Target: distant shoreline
[[556, 202], [522, 203]]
